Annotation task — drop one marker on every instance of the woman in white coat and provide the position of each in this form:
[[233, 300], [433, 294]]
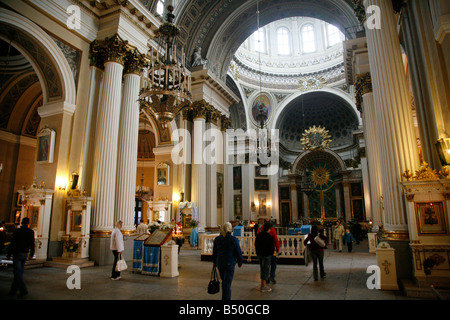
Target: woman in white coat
[[117, 248]]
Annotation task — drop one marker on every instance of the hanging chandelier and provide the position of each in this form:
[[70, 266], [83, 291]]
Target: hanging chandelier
[[169, 82]]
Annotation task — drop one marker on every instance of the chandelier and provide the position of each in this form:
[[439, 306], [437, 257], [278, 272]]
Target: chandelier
[[169, 82], [307, 185]]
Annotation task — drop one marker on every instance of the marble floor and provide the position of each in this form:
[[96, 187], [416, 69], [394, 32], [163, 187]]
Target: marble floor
[[346, 280]]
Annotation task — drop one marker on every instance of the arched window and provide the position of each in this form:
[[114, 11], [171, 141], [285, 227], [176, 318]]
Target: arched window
[[283, 41], [334, 35], [259, 40], [160, 7], [308, 38]]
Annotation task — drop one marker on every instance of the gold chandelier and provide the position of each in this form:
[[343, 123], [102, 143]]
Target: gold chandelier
[[169, 82]]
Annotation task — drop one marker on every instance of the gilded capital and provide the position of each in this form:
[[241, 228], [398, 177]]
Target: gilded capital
[[360, 11], [363, 85], [212, 115], [134, 62], [200, 109], [110, 49], [225, 123]]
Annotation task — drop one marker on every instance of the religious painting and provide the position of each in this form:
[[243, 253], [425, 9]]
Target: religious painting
[[75, 221], [33, 215], [262, 198], [238, 205], [162, 174], [19, 199], [431, 218], [45, 145], [358, 210], [237, 178], [356, 189], [262, 184], [285, 213], [17, 216], [219, 189], [258, 172], [261, 108], [285, 193]]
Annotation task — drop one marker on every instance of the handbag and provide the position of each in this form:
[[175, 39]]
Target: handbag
[[319, 241], [121, 264], [214, 283]]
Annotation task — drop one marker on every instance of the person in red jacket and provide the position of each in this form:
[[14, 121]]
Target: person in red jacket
[[276, 244], [316, 250]]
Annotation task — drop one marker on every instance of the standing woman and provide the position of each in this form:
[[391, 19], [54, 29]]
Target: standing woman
[[226, 253], [117, 248], [264, 250], [316, 250]]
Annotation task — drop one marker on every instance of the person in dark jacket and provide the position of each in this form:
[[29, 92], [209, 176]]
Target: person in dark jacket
[[264, 250], [226, 253], [316, 251], [22, 245]]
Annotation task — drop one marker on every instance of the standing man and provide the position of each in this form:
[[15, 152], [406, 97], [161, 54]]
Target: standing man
[[338, 234], [142, 228], [22, 245], [117, 248]]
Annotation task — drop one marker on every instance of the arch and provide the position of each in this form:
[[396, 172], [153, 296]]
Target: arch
[[163, 138], [47, 60], [339, 93], [320, 156]]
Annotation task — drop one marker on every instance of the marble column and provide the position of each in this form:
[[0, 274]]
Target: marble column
[[199, 181], [225, 123], [393, 116], [128, 142], [105, 159]]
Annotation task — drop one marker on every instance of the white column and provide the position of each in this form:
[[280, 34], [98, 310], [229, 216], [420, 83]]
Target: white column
[[373, 156], [104, 178], [396, 137], [127, 152], [198, 191]]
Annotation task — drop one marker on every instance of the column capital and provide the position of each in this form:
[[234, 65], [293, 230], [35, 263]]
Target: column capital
[[212, 115], [134, 62], [113, 49], [363, 85], [200, 109], [225, 123]]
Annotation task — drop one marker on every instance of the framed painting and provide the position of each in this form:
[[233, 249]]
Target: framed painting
[[261, 109], [238, 205], [258, 172], [19, 200], [76, 220], [162, 174], [45, 145], [262, 184], [285, 193], [33, 215], [431, 218], [262, 198], [237, 178], [219, 189]]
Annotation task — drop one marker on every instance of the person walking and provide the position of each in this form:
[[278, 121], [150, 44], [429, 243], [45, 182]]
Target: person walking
[[348, 240], [273, 259], [338, 234], [264, 250], [117, 248], [21, 247], [316, 250], [226, 253]]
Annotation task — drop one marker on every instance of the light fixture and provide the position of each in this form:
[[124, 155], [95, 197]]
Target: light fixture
[[307, 185], [443, 149], [169, 81]]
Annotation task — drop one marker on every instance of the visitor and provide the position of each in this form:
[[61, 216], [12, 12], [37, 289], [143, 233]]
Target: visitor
[[316, 251], [226, 253], [357, 232], [273, 259], [338, 234], [142, 228], [348, 240], [264, 250], [117, 248], [21, 247]]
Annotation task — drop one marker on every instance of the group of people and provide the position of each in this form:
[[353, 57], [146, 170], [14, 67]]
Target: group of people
[[227, 253], [342, 237]]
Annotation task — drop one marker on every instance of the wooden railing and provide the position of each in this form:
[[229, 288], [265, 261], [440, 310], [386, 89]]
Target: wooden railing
[[291, 246]]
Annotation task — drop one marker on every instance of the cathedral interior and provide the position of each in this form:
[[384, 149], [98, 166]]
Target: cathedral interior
[[204, 112]]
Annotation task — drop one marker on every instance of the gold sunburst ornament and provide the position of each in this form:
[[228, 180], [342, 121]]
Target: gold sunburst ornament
[[320, 176], [316, 138]]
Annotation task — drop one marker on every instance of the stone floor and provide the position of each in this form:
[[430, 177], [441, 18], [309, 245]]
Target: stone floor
[[346, 280]]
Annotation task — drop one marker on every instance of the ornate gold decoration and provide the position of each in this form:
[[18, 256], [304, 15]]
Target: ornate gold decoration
[[445, 172], [316, 138], [426, 173], [360, 11], [363, 85], [225, 123], [311, 83], [320, 176], [407, 175], [169, 82], [134, 62], [113, 48]]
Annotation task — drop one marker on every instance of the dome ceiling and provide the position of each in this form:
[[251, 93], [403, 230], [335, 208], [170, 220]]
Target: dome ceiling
[[320, 109]]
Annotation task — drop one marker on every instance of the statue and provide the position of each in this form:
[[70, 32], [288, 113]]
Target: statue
[[198, 61]]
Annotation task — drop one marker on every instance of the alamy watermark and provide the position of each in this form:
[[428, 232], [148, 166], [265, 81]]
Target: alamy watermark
[[73, 22]]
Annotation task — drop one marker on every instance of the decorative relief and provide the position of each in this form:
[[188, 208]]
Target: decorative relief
[[134, 62], [113, 48], [311, 83], [316, 138], [424, 173], [363, 85]]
